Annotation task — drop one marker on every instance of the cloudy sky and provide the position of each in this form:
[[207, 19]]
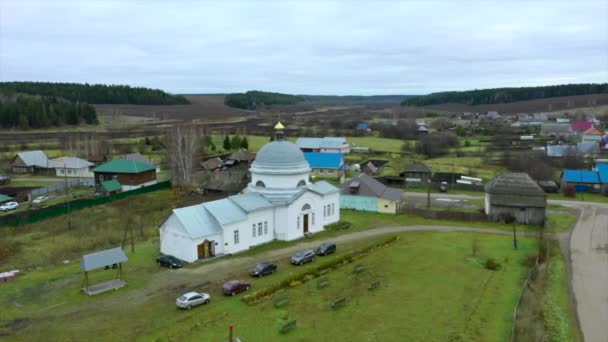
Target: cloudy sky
[[306, 47]]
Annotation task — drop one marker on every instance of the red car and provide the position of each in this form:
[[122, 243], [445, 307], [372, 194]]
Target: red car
[[235, 286]]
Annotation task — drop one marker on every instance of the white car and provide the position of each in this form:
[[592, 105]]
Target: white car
[[40, 199], [191, 299], [9, 206]]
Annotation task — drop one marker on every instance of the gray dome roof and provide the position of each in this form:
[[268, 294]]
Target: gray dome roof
[[280, 157]]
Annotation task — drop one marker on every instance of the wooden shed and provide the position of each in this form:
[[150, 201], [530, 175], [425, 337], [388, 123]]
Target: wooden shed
[[518, 195]]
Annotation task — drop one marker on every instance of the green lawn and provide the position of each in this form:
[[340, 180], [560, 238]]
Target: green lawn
[[377, 144], [442, 291]]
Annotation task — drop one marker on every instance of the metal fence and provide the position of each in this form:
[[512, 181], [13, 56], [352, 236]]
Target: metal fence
[[64, 208], [59, 187]]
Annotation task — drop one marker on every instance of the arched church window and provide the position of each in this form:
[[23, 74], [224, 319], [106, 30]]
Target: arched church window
[[260, 184], [306, 207], [301, 183]]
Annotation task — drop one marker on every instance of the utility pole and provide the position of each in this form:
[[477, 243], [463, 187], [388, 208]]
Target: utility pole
[[428, 194], [514, 235], [65, 183]]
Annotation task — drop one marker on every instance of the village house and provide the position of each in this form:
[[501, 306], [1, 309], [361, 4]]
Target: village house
[[325, 164], [416, 173], [323, 145], [213, 164], [557, 130], [280, 203], [580, 126], [240, 157], [130, 174], [35, 162], [516, 195], [592, 135], [581, 180], [367, 194], [71, 167]]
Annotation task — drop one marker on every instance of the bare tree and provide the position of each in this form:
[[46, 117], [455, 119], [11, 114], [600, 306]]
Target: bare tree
[[183, 143]]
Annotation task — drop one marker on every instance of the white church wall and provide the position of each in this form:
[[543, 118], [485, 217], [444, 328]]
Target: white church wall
[[281, 221], [262, 219], [174, 240]]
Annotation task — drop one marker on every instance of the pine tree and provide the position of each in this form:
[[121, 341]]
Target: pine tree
[[245, 143], [226, 145], [236, 142]]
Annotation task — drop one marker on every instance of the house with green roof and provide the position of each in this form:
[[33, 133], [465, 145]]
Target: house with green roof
[[131, 174]]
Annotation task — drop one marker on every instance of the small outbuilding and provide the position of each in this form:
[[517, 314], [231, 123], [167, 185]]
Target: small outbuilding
[[515, 194], [109, 259], [417, 173]]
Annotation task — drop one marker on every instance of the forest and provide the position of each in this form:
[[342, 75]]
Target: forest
[[26, 111], [94, 93], [253, 99], [506, 95]]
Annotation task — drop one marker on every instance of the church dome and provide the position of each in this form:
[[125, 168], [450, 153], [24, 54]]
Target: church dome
[[281, 158]]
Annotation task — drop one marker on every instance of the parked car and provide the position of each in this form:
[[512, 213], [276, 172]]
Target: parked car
[[326, 248], [169, 261], [191, 299], [235, 286], [263, 269], [9, 206], [40, 200], [303, 257]]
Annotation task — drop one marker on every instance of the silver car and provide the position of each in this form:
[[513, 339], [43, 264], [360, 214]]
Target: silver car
[[9, 206], [191, 299]]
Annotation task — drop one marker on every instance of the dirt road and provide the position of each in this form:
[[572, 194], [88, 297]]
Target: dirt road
[[589, 255]]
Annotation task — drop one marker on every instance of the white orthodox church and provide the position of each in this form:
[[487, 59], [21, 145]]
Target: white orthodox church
[[280, 203]]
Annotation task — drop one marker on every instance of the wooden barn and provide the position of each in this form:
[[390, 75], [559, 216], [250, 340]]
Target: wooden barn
[[518, 195]]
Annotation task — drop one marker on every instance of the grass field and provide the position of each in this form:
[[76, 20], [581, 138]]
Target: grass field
[[443, 293]]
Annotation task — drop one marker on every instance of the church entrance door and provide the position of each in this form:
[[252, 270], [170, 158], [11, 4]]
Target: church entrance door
[[306, 224], [206, 249]]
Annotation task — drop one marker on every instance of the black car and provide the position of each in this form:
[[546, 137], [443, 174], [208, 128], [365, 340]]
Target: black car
[[326, 248], [303, 257], [263, 269], [169, 261]]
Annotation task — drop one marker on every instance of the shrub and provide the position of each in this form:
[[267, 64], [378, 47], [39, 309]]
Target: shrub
[[492, 265], [340, 225], [299, 278]]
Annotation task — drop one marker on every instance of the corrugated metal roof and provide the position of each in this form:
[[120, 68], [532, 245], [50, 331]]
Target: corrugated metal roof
[[124, 166], [251, 201], [69, 163], [103, 258], [369, 186], [417, 167], [34, 158], [516, 190], [327, 142], [323, 188], [319, 160], [197, 221], [225, 211], [581, 176], [4, 198], [602, 170]]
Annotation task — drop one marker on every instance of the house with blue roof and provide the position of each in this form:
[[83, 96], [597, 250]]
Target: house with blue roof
[[581, 180], [280, 203], [325, 164]]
